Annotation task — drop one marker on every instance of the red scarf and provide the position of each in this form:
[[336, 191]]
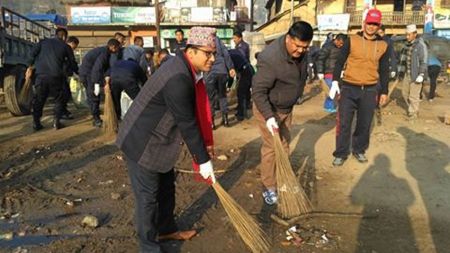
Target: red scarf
[[204, 119]]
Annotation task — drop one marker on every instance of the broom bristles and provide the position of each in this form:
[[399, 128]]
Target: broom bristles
[[24, 95], [110, 124], [292, 200], [245, 225]]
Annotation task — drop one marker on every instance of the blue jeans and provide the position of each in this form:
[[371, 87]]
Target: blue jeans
[[328, 104]]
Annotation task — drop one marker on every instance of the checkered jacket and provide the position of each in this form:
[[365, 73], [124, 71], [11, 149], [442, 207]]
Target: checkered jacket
[[161, 117]]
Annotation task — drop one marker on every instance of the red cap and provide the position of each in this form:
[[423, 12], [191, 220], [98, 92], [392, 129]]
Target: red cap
[[373, 16]]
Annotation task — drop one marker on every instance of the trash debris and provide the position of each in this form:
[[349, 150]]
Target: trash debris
[[115, 196], [70, 203], [7, 236], [15, 215], [21, 233], [222, 157], [319, 238], [119, 157], [90, 221], [250, 195], [20, 250], [106, 182]]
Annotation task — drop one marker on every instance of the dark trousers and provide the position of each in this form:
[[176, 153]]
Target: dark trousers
[[433, 73], [43, 87], [117, 86], [67, 95], [92, 99], [216, 85], [362, 100], [243, 91], [154, 205]]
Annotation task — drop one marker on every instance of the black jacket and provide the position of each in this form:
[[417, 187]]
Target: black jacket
[[50, 56], [280, 79], [326, 60], [95, 64], [161, 117]]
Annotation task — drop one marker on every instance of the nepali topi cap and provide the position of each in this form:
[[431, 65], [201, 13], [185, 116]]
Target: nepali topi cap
[[202, 36]]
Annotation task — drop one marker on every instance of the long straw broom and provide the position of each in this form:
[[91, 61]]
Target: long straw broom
[[292, 200], [245, 225], [111, 123]]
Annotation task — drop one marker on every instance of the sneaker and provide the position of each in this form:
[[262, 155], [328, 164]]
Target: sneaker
[[338, 161], [97, 123], [360, 157], [270, 197], [332, 110]]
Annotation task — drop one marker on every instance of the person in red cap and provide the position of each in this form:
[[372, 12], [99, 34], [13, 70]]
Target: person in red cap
[[171, 108], [367, 63]]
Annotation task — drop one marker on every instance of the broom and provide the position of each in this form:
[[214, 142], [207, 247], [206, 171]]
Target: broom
[[111, 122], [292, 200], [245, 225], [25, 93]]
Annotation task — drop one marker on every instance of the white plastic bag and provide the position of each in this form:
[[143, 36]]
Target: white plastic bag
[[125, 103]]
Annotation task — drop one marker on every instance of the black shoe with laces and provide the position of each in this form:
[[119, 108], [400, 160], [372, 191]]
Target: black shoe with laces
[[37, 126], [57, 124]]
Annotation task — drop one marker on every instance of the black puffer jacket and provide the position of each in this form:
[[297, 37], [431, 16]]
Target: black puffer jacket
[[327, 58]]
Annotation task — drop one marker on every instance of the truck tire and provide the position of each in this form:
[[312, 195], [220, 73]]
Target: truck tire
[[12, 85]]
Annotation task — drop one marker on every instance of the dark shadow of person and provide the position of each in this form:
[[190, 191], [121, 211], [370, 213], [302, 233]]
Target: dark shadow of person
[[381, 192], [311, 131], [427, 160]]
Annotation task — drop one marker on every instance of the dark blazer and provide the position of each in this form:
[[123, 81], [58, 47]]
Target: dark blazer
[[161, 117], [280, 79]]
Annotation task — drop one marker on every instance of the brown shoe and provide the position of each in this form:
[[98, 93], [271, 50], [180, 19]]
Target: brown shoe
[[179, 235]]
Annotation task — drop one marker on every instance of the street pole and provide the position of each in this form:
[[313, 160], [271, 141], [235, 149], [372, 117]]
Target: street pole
[[251, 14], [158, 31]]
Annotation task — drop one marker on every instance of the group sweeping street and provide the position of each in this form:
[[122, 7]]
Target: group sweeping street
[[336, 143]]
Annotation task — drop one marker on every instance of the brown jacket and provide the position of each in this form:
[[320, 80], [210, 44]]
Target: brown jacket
[[367, 62], [279, 81]]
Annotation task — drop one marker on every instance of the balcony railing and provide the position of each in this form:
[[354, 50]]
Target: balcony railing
[[393, 18]]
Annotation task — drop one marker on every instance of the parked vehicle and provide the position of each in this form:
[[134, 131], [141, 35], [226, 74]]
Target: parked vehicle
[[18, 35]]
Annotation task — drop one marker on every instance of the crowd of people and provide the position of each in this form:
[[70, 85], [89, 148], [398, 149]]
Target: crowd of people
[[175, 99]]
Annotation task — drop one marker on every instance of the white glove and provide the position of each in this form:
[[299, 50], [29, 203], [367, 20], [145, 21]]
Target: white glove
[[419, 79], [342, 73], [334, 89], [393, 74], [320, 76], [96, 89], [272, 125], [311, 64], [206, 170]]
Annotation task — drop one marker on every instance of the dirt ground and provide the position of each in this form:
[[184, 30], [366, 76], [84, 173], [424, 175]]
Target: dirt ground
[[397, 202]]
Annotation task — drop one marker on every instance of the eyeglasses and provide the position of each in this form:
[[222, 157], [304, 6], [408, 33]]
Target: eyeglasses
[[208, 54]]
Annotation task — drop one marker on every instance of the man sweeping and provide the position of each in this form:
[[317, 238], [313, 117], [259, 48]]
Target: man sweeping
[[170, 109], [277, 85]]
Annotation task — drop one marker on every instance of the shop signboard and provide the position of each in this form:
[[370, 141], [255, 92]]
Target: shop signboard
[[133, 15], [333, 22], [90, 15]]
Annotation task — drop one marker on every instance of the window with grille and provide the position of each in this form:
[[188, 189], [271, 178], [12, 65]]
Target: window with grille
[[445, 3]]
